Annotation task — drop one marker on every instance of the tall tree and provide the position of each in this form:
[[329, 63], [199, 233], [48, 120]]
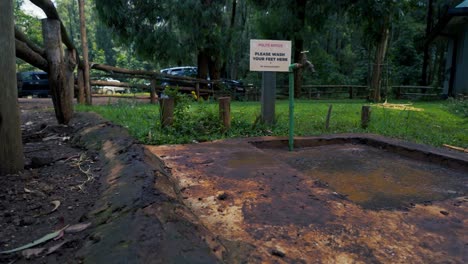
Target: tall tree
[[429, 20], [280, 19], [11, 146], [377, 17], [181, 32], [84, 46]]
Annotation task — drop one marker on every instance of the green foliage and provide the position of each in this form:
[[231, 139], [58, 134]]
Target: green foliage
[[30, 26], [340, 35], [458, 107], [199, 121]]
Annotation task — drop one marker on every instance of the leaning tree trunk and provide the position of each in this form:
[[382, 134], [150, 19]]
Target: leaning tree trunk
[[84, 46], [378, 62], [60, 71], [11, 146]]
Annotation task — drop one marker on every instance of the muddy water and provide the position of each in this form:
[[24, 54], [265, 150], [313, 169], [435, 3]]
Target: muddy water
[[374, 178]]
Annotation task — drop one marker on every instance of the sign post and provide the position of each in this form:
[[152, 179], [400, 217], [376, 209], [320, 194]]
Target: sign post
[[269, 57]]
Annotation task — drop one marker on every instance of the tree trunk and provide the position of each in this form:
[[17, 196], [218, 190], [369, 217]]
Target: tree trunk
[[81, 92], [11, 146], [378, 62], [69, 91], [424, 78], [84, 46], [58, 71], [299, 8], [203, 59], [214, 66]]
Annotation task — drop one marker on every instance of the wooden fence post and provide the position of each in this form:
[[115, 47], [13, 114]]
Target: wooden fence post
[[167, 111], [197, 91], [153, 91], [81, 87], [365, 116], [327, 122], [225, 112], [57, 70], [351, 92], [11, 146]]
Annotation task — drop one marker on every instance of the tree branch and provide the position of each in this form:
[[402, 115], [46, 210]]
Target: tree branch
[[26, 53], [19, 35], [49, 9]]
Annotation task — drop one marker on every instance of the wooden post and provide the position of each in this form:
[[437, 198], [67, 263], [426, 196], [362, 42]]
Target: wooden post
[[11, 146], [268, 97], [81, 88], [57, 70], [197, 91], [327, 123], [153, 91], [365, 116], [84, 47], [351, 92], [225, 112], [167, 111]]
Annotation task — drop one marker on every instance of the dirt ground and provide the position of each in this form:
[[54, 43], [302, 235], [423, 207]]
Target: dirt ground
[[88, 195], [113, 201], [57, 188]]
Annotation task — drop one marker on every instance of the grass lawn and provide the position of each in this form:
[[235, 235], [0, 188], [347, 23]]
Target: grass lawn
[[434, 123]]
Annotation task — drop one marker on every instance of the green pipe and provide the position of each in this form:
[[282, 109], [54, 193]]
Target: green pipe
[[291, 105]]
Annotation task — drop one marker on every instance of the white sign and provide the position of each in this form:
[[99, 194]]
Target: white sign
[[270, 55]]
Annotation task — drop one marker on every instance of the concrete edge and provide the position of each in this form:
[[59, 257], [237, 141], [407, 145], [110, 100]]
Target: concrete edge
[[138, 217]]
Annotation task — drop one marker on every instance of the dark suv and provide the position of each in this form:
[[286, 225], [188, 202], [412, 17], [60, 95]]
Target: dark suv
[[33, 83], [228, 87]]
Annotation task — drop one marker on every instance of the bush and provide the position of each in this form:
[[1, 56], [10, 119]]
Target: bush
[[458, 107]]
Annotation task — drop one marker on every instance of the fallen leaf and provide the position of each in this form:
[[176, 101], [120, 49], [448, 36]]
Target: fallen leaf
[[52, 249], [26, 190], [32, 252], [56, 204], [36, 242], [60, 235], [77, 228], [54, 137]]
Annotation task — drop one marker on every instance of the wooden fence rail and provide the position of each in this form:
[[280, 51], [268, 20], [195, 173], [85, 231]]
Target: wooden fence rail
[[416, 91], [351, 91]]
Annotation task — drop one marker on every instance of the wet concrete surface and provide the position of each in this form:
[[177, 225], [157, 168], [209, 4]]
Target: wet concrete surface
[[326, 204]]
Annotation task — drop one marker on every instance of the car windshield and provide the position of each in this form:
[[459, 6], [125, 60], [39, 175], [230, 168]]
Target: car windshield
[[39, 76]]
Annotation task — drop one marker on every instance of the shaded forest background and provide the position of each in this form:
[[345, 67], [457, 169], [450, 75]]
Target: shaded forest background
[[344, 38]]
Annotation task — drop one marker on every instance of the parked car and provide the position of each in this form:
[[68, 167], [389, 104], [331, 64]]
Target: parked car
[[229, 87], [109, 90], [235, 89], [189, 71], [32, 83]]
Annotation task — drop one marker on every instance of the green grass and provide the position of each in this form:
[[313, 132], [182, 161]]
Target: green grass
[[437, 124]]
